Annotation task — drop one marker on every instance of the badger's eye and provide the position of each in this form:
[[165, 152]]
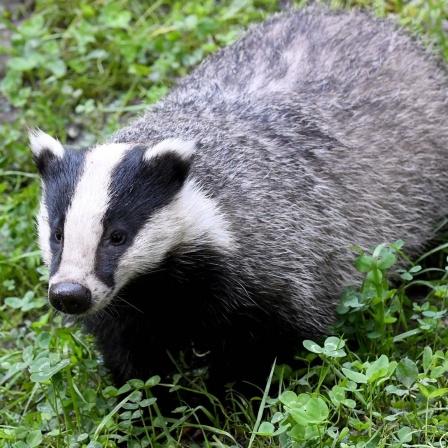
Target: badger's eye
[[117, 238], [58, 236]]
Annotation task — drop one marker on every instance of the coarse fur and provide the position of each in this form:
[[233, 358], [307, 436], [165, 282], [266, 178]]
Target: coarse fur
[[220, 220]]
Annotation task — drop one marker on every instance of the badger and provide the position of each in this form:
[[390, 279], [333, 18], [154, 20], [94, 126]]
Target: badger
[[219, 221]]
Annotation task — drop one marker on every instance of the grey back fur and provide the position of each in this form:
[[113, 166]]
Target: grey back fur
[[316, 131]]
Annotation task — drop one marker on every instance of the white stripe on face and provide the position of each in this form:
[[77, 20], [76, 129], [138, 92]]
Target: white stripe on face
[[83, 225], [43, 227], [191, 219]]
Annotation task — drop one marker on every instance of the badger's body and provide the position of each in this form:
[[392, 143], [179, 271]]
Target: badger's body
[[221, 218]]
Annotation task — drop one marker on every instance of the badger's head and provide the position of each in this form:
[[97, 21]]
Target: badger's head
[[114, 212]]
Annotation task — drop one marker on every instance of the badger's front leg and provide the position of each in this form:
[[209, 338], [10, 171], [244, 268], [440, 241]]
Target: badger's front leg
[[128, 347]]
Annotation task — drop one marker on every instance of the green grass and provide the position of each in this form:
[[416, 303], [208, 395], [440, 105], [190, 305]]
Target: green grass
[[79, 70]]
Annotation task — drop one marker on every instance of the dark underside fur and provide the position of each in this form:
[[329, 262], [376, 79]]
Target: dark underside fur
[[180, 307]]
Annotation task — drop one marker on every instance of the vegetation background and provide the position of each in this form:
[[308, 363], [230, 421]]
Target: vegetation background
[[79, 69]]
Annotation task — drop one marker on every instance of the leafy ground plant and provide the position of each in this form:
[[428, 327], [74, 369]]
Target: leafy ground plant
[[79, 69]]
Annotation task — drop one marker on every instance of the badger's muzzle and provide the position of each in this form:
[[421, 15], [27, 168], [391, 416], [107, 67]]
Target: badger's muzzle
[[70, 298]]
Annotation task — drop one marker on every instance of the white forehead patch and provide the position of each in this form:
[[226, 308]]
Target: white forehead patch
[[40, 141], [83, 222]]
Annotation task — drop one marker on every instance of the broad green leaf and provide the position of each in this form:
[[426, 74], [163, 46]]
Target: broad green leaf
[[337, 394], [21, 444], [153, 381], [378, 368], [312, 346], [407, 372], [277, 417], [387, 260], [113, 16], [97, 54], [47, 372], [94, 445], [288, 398], [147, 402], [363, 263], [349, 403], [136, 383], [374, 277], [110, 391], [40, 365], [334, 344], [28, 355], [299, 415], [438, 393], [266, 429], [423, 390], [34, 438], [14, 302], [281, 429], [12, 82], [405, 434], [438, 371], [427, 358], [44, 340], [357, 377], [317, 410], [297, 432], [57, 67], [24, 64], [33, 27], [391, 389], [314, 412], [398, 244]]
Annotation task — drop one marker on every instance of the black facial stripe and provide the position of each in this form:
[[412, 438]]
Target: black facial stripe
[[60, 177], [137, 189]]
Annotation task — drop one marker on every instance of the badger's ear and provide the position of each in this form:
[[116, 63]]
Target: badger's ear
[[183, 149], [172, 157], [44, 147]]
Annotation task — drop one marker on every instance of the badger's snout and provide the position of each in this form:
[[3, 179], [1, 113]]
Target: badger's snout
[[70, 298]]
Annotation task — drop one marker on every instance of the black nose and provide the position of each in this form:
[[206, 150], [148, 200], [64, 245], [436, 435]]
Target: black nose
[[70, 298]]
